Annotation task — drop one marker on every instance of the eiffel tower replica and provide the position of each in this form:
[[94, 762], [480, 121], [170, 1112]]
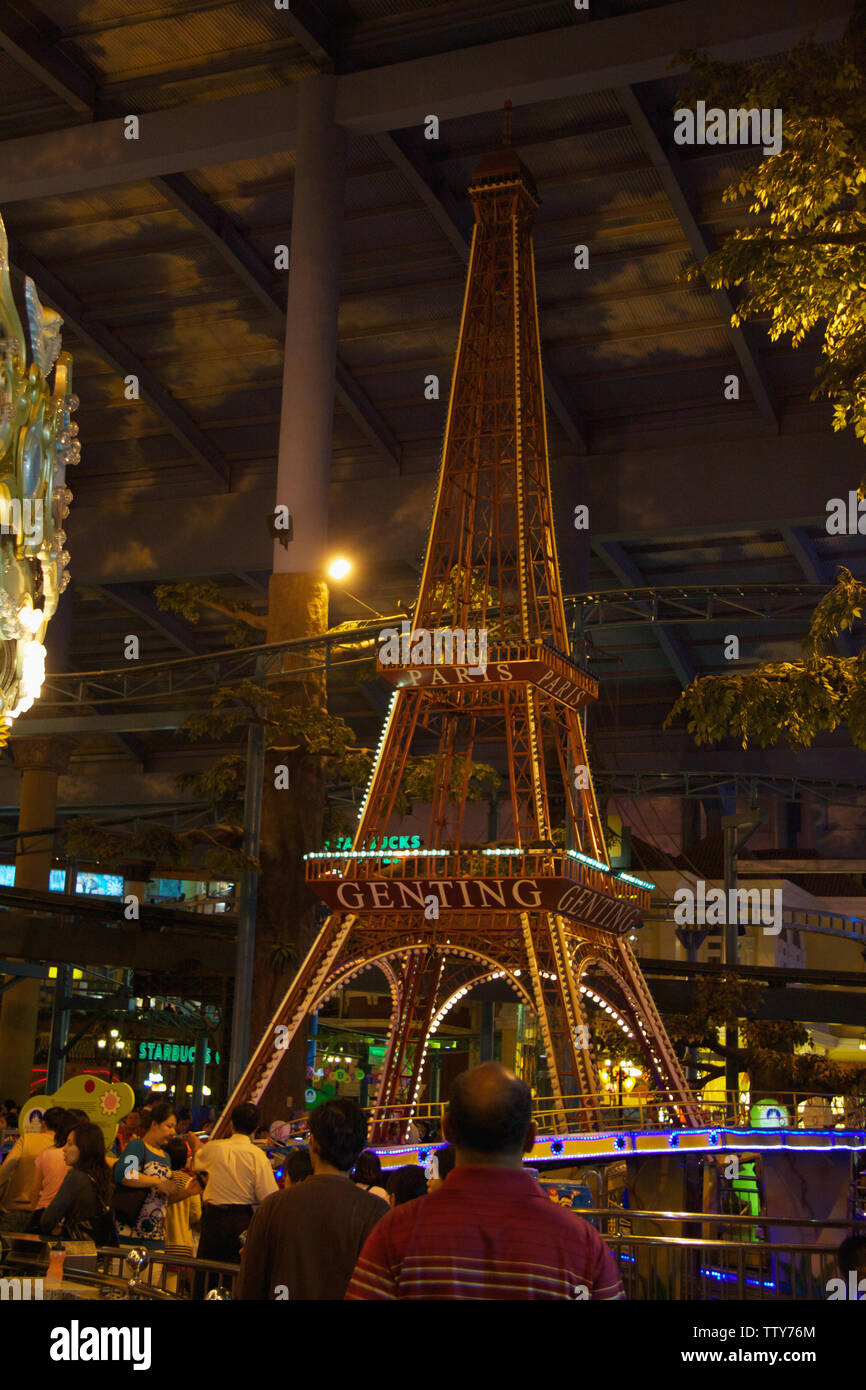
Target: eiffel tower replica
[[438, 920]]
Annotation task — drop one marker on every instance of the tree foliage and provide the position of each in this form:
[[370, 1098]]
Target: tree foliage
[[790, 701], [801, 261], [188, 600], [769, 1054], [713, 1000], [214, 850]]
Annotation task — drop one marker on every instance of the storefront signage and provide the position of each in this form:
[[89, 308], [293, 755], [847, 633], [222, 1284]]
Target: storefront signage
[[172, 1052], [343, 843]]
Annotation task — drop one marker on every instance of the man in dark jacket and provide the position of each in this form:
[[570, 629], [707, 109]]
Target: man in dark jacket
[[304, 1242]]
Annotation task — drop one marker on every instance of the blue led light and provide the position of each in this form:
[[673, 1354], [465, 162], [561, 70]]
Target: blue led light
[[674, 1141], [587, 859], [641, 882], [557, 1146]]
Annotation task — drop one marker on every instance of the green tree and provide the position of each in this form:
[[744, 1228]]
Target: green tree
[[801, 260], [789, 701]]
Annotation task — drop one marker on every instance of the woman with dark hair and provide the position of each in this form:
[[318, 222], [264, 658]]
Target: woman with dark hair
[[405, 1184], [367, 1173], [145, 1167], [81, 1204]]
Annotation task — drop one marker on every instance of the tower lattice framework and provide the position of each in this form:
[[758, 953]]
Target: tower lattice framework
[[443, 918]]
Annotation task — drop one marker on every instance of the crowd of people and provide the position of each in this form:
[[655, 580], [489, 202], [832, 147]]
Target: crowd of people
[[59, 1180], [481, 1227]]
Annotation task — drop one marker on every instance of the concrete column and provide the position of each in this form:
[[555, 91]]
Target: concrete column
[[291, 819], [307, 415], [41, 761]]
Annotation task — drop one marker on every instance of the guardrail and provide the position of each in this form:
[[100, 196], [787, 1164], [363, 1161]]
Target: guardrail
[[478, 864], [655, 1267], [605, 1110], [173, 1277], [686, 1270]]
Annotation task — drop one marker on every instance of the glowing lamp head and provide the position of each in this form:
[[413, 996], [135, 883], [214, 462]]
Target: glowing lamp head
[[339, 568]]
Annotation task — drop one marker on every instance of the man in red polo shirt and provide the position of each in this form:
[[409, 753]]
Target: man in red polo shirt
[[490, 1231]]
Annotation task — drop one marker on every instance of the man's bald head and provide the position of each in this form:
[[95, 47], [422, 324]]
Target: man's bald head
[[489, 1111]]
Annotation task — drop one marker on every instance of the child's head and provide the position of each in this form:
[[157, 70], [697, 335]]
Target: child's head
[[178, 1154]]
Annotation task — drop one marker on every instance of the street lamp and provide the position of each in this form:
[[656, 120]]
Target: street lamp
[[338, 569]]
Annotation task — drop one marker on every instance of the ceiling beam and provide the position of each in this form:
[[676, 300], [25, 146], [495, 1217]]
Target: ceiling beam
[[312, 30], [559, 63], [98, 155], [575, 59], [35, 50], [222, 233], [138, 602], [104, 342], [225, 237], [805, 552], [37, 938], [357, 404], [673, 180], [134, 747], [420, 174], [134, 721], [258, 580], [622, 565]]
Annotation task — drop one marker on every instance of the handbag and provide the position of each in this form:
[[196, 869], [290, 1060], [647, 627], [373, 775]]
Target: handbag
[[101, 1229], [127, 1203]]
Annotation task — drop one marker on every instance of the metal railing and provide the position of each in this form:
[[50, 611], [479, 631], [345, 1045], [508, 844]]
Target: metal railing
[[713, 1256], [171, 1276], [475, 864], [663, 1111], [658, 1266], [688, 1270]]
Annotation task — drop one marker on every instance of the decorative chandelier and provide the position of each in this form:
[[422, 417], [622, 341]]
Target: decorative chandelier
[[37, 442]]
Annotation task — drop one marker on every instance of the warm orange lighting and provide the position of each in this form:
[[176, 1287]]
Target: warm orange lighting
[[339, 568]]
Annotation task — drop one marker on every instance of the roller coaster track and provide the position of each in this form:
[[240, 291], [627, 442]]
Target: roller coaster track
[[799, 918], [189, 676]]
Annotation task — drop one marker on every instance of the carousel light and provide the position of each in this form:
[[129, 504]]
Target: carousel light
[[37, 446]]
